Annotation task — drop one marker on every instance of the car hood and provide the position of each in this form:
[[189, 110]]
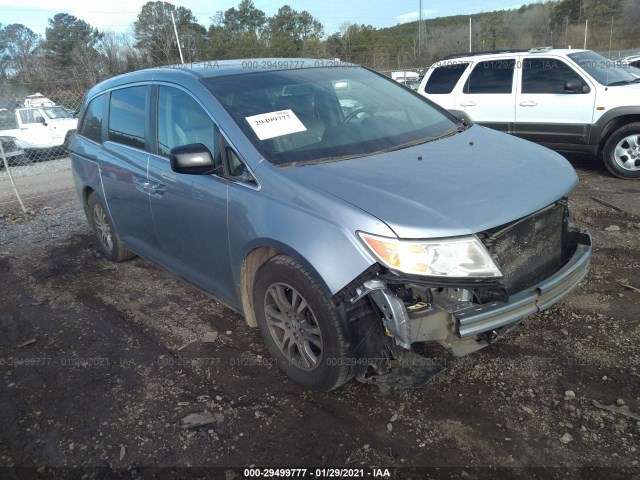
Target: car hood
[[12, 132], [458, 185]]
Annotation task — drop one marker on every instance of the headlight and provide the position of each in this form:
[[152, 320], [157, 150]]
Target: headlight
[[460, 257]]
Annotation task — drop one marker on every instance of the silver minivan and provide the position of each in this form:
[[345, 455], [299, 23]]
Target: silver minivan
[[345, 216]]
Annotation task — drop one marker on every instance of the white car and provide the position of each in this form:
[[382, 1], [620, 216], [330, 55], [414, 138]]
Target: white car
[[11, 150], [36, 129], [632, 61], [568, 100]]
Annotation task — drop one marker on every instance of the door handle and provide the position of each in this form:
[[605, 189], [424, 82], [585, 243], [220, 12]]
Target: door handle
[[156, 188], [468, 103], [140, 181], [529, 103]]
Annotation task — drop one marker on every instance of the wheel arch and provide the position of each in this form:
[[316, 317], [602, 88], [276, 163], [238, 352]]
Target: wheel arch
[[257, 255], [87, 191], [614, 124]]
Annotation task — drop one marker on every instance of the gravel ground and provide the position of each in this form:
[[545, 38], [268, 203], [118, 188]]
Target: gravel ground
[[124, 366], [29, 167], [39, 184]]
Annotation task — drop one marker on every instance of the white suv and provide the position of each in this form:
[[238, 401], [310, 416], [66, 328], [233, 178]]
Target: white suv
[[38, 129], [567, 100]]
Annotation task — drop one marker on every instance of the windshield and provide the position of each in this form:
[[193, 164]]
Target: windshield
[[602, 69], [56, 112], [322, 114]]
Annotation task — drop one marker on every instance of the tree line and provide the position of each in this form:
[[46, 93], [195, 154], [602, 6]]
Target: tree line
[[74, 55]]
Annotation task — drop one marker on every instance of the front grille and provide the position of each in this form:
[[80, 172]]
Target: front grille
[[530, 249]]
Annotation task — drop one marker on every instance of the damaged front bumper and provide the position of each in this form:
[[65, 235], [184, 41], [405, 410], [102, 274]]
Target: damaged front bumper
[[450, 316], [492, 316]]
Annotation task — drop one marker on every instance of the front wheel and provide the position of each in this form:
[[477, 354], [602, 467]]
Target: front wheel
[[621, 152], [300, 326]]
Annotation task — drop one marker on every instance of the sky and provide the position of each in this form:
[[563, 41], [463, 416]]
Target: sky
[[119, 15]]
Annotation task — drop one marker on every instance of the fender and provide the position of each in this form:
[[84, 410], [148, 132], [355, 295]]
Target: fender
[[601, 128]]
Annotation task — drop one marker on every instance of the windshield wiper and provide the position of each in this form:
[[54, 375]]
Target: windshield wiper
[[623, 82], [404, 145], [461, 127]]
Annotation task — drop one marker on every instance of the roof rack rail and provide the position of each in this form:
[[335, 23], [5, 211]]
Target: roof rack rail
[[484, 52], [540, 49]]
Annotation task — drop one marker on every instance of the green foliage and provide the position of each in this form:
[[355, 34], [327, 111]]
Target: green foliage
[[17, 44], [246, 18], [65, 34], [290, 32], [493, 29], [155, 35], [577, 11], [236, 33]]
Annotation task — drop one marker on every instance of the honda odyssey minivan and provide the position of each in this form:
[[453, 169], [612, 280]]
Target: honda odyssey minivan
[[343, 215]]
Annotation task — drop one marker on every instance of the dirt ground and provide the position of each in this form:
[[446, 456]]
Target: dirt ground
[[102, 365]]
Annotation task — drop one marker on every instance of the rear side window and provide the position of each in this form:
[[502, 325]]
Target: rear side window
[[548, 75], [492, 76], [91, 126], [126, 116], [444, 79]]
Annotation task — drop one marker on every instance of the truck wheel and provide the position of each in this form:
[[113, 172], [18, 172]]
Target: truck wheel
[[621, 152], [108, 239], [300, 326]]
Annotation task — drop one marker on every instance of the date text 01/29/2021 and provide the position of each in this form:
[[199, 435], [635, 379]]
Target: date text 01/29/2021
[[317, 473]]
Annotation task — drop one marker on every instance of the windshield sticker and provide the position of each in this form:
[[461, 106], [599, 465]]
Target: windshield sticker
[[275, 124]]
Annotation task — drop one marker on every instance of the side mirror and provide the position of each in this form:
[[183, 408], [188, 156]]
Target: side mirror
[[573, 86], [41, 120], [193, 159]]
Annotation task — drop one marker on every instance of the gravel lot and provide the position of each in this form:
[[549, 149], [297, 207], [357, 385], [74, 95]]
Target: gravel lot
[[40, 184], [104, 365], [30, 167]]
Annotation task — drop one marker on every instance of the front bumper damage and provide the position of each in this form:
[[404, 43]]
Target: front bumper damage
[[448, 314]]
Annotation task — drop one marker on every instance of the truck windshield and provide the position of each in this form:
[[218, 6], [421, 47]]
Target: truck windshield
[[315, 115], [56, 112], [603, 70]]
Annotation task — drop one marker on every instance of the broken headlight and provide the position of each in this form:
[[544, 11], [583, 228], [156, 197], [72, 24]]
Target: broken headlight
[[460, 257]]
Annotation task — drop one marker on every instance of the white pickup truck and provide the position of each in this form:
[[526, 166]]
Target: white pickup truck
[[35, 129]]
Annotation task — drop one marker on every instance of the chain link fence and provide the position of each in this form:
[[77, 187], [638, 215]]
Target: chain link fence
[[35, 133]]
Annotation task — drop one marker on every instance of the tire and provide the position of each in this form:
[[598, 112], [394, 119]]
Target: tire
[[309, 346], [621, 152], [109, 241]]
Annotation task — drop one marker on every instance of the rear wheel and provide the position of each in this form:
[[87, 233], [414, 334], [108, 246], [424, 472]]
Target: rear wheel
[[108, 239], [300, 326], [621, 152]]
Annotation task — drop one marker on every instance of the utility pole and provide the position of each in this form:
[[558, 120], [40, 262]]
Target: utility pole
[[420, 29], [175, 30], [586, 29]]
